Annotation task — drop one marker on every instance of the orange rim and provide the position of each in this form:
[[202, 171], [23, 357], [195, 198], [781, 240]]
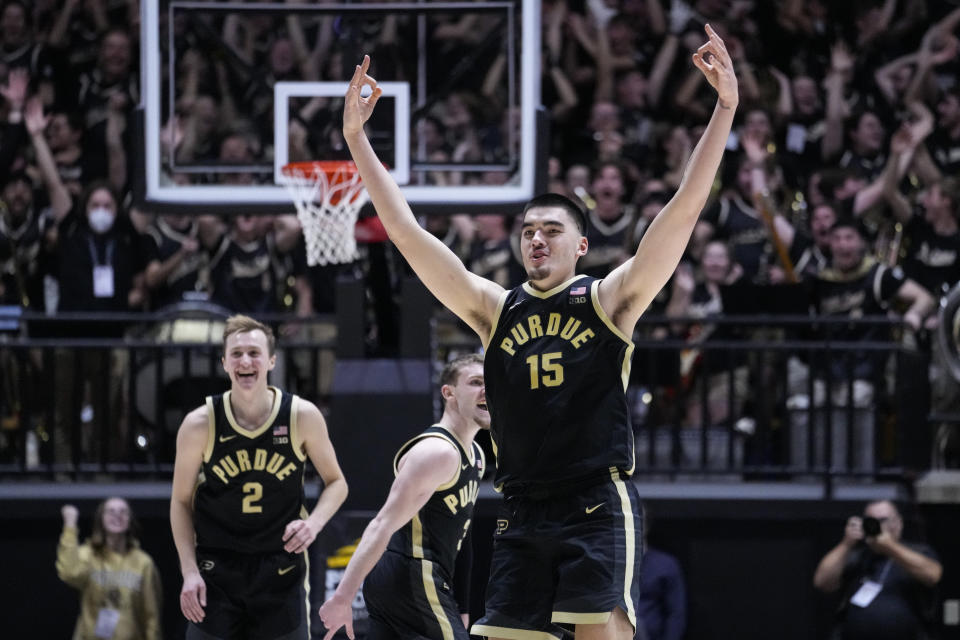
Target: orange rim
[[329, 167]]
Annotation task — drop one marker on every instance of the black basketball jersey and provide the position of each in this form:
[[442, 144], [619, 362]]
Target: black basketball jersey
[[251, 482], [556, 370], [438, 529]]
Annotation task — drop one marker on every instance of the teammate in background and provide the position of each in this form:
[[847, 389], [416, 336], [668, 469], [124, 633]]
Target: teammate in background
[[242, 539], [414, 539], [118, 582], [557, 362]]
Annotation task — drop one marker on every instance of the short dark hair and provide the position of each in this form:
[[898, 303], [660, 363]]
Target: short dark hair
[[555, 200], [452, 369], [849, 222], [17, 176]]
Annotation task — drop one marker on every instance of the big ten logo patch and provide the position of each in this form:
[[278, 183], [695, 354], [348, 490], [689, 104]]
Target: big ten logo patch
[[281, 434], [578, 295]]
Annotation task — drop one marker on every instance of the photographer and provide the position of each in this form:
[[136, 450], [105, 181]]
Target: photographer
[[886, 585]]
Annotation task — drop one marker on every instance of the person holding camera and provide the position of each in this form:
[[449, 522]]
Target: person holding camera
[[887, 585]]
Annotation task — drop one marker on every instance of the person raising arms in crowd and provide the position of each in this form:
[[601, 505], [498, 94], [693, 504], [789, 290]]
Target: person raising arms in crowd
[[118, 582]]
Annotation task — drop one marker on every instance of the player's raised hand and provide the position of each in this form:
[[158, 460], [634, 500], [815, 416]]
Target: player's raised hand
[[356, 108], [336, 613], [715, 63]]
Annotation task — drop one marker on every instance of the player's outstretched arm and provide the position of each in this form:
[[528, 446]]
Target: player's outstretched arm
[[627, 291], [300, 534], [430, 464], [472, 298], [191, 443]]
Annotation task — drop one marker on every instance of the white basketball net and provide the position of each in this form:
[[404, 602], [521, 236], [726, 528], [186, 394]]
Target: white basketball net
[[327, 207]]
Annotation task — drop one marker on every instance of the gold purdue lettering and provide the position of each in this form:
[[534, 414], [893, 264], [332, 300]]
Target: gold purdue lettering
[[535, 330], [570, 328], [243, 459], [227, 468], [553, 324], [465, 496], [287, 470], [585, 335], [533, 327], [451, 501], [274, 465], [519, 334]]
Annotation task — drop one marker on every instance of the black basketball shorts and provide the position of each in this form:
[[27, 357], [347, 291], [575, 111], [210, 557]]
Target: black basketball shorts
[[564, 560], [253, 596], [411, 598]]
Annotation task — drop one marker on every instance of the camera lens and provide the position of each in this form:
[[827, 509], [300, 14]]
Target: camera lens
[[871, 526]]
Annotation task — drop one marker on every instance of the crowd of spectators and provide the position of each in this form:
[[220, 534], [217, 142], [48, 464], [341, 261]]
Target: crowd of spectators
[[839, 181]]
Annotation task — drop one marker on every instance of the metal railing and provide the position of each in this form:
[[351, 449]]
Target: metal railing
[[75, 406], [755, 398], [778, 397]]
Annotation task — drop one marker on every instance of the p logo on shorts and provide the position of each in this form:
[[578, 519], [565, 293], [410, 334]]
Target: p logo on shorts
[[502, 525]]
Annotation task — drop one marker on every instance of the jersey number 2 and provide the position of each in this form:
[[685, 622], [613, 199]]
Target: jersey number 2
[[253, 491], [545, 370]]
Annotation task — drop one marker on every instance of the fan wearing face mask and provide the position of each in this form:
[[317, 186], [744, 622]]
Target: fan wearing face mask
[[101, 265], [101, 269], [101, 261]]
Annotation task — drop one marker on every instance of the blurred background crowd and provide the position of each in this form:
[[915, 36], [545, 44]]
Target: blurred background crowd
[[838, 194]]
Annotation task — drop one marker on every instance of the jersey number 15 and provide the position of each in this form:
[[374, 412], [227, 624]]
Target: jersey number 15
[[545, 370]]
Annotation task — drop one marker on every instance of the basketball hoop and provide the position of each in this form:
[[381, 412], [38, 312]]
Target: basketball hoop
[[328, 195]]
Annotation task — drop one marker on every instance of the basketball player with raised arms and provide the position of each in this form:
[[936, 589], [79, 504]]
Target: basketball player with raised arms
[[405, 559], [237, 506], [567, 544]]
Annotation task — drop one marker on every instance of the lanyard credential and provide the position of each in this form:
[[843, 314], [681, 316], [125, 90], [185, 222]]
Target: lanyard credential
[[103, 285]]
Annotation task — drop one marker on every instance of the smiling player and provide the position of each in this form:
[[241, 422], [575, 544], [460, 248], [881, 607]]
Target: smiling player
[[415, 538], [237, 512]]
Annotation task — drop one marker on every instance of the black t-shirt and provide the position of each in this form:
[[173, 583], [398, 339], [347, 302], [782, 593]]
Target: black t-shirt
[[31, 56], [808, 259], [901, 609], [191, 276], [931, 259], [23, 258], [945, 152], [800, 148], [863, 166], [607, 242], [245, 277], [740, 225], [495, 261], [865, 291], [80, 251]]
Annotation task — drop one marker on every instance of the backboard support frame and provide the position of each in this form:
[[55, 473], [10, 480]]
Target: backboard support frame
[[154, 195]]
